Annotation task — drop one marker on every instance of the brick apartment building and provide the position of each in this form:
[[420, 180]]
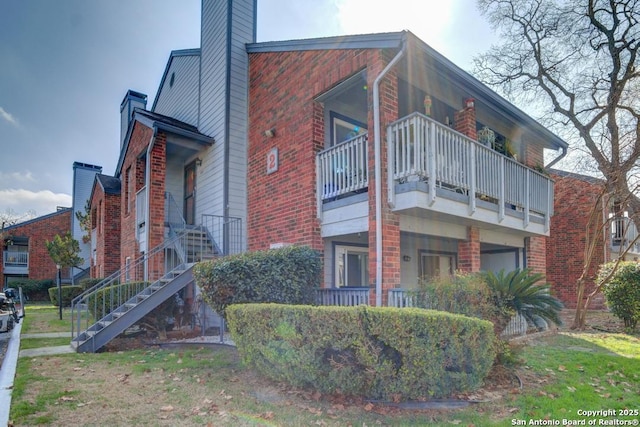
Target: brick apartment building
[[23, 250], [373, 149], [340, 136], [575, 197]]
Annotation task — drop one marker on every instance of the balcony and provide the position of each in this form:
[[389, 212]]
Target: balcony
[[437, 171], [343, 180], [624, 235], [15, 262]]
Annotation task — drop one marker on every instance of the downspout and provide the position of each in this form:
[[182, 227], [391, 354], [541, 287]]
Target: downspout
[[378, 167], [557, 159], [147, 184]]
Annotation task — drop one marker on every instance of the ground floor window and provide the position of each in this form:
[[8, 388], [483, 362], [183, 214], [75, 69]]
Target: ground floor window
[[351, 266], [437, 264]]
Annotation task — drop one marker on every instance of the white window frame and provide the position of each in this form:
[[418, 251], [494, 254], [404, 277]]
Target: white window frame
[[341, 268]]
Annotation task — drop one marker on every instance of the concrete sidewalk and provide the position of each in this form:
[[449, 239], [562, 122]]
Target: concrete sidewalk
[[47, 351]]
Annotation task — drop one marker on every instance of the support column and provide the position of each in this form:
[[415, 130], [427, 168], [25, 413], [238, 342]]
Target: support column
[[469, 252], [536, 248], [464, 121]]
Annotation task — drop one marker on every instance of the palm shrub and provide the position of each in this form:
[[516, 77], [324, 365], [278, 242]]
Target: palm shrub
[[522, 292]]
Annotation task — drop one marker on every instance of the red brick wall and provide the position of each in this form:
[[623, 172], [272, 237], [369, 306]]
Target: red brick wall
[[464, 121], [535, 248], [469, 251], [282, 205], [283, 85], [534, 156], [135, 159], [107, 207], [574, 199], [39, 231]]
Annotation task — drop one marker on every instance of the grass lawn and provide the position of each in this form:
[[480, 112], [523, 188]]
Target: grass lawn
[[40, 318], [561, 374]]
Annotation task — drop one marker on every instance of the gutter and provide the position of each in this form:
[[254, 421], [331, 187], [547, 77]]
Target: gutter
[[378, 167]]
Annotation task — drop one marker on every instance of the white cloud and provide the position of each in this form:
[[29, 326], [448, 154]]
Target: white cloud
[[42, 202], [8, 117], [8, 178]]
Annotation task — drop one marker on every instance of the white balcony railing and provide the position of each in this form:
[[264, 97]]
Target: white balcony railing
[[343, 168], [15, 258], [402, 298], [423, 149], [352, 296], [623, 234]]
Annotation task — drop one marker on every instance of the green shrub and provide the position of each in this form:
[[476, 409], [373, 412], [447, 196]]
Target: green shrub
[[491, 296], [109, 298], [622, 291], [289, 275], [33, 290], [89, 282], [465, 294], [379, 353], [68, 293], [522, 292]]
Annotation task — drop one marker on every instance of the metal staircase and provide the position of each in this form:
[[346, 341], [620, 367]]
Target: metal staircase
[[125, 297]]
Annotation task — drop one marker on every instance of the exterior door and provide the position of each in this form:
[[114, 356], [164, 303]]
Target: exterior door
[[190, 193]]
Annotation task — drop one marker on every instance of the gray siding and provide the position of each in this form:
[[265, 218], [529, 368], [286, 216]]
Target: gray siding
[[223, 54], [174, 183], [83, 177], [180, 100]]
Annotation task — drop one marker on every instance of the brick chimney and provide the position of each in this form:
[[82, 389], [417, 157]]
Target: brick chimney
[[464, 121], [131, 100]]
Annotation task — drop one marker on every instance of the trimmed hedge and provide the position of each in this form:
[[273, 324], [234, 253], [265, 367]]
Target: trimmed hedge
[[379, 353], [622, 291], [68, 293], [288, 275], [34, 290], [89, 282]]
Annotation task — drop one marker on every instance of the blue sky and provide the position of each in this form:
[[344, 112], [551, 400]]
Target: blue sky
[[67, 64]]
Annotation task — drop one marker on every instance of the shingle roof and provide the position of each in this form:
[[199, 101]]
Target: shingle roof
[[110, 184]]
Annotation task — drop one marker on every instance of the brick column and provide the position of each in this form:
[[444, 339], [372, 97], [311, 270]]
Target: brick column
[[464, 121], [390, 221], [469, 252], [536, 254]]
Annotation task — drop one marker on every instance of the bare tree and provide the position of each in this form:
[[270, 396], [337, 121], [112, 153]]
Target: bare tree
[[9, 218], [576, 61]]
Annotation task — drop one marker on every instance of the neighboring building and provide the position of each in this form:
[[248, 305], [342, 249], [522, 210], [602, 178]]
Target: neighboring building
[[83, 174], [24, 252], [105, 226], [575, 197], [373, 149]]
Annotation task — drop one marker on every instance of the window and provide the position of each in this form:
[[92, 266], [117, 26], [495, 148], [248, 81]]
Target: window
[[344, 128], [437, 264], [128, 194], [351, 266]]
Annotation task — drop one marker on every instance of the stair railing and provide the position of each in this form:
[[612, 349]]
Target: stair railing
[[106, 295]]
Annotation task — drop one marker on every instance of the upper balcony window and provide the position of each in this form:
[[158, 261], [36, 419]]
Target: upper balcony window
[[344, 128]]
